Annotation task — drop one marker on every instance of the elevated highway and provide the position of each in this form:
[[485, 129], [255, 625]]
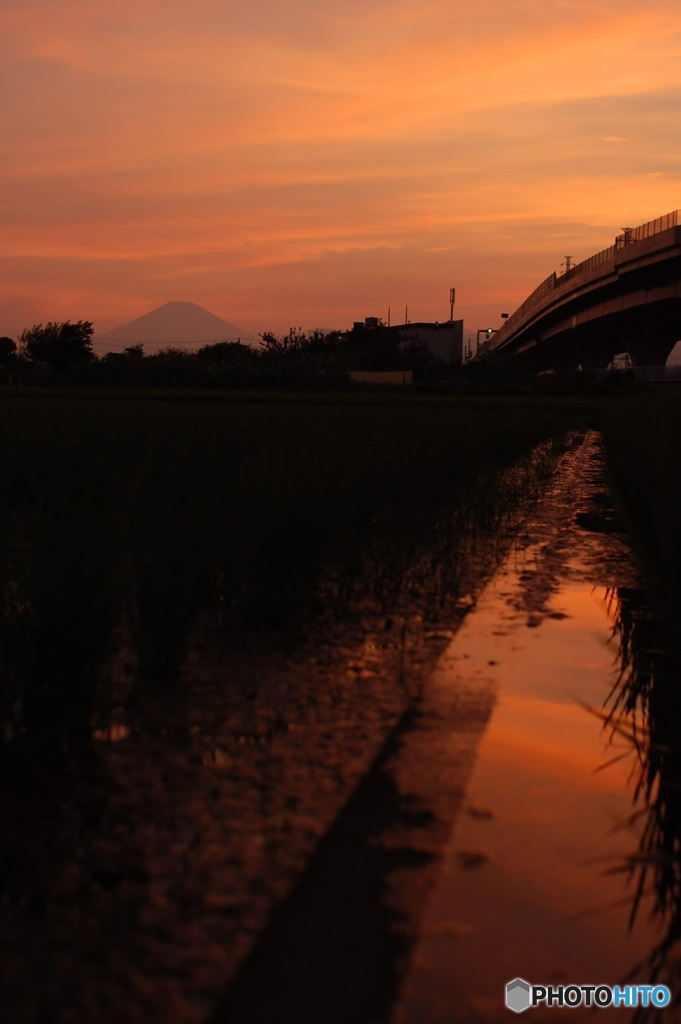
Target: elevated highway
[[626, 298]]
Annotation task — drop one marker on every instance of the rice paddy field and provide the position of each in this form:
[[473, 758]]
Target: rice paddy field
[[214, 608], [643, 439], [140, 514], [127, 519]]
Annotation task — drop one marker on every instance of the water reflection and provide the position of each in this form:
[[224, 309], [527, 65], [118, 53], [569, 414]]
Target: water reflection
[[113, 733], [553, 864], [644, 710]]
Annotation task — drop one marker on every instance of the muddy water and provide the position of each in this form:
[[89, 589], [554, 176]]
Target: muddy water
[[532, 885]]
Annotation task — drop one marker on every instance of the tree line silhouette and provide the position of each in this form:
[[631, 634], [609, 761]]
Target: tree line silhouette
[[64, 352]]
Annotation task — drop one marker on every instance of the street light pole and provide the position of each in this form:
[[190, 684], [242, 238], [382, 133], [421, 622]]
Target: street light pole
[[488, 332]]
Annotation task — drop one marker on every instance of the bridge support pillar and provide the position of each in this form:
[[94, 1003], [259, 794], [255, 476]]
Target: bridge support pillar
[[595, 346], [649, 347], [594, 358], [566, 357]]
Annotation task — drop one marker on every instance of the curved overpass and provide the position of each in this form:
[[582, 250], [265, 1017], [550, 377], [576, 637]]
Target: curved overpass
[[624, 299]]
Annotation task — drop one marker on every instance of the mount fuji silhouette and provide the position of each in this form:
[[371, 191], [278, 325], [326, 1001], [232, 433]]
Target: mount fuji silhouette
[[175, 323]]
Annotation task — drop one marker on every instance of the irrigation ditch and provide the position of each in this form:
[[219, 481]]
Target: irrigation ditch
[[484, 843]]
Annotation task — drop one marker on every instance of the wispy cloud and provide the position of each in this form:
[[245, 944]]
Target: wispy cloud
[[166, 144]]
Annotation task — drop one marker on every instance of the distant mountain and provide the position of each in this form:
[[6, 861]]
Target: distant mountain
[[176, 323]]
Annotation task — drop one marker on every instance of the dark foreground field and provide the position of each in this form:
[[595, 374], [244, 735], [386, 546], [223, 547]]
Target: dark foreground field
[[137, 517], [215, 609]]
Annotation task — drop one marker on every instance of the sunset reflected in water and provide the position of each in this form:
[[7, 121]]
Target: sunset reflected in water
[[528, 888]]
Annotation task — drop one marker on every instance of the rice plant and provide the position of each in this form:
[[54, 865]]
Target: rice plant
[[140, 514]]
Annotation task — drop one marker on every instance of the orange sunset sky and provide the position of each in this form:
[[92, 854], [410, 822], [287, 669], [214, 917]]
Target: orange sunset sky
[[311, 163]]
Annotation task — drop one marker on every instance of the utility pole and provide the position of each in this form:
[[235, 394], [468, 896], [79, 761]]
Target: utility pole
[[452, 296], [568, 264], [488, 332]]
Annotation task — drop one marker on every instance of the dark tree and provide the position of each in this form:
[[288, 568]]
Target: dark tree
[[229, 354], [297, 342], [286, 346], [61, 345], [7, 349], [373, 347]]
